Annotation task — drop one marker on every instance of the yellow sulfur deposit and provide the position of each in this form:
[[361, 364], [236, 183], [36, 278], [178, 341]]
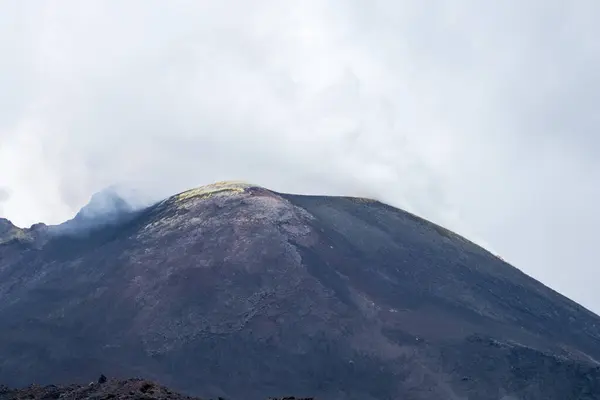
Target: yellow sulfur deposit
[[209, 190]]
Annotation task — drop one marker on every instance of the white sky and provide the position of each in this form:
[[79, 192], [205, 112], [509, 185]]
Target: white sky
[[481, 116]]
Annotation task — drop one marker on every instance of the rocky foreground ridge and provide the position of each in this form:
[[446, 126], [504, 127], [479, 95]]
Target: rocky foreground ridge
[[105, 389], [236, 291]]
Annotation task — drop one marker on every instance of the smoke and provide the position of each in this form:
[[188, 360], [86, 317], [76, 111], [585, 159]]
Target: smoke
[[4, 196], [111, 206]]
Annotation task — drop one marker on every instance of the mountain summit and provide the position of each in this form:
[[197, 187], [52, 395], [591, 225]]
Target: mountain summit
[[237, 291]]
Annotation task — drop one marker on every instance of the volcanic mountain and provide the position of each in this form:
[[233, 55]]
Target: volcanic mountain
[[237, 291]]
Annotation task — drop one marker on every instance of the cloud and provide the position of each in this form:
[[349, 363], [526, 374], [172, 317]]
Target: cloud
[[480, 117], [4, 196]]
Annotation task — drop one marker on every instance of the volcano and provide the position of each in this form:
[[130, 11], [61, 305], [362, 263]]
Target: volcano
[[237, 291]]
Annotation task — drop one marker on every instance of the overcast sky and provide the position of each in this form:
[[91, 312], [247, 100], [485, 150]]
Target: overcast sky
[[481, 116]]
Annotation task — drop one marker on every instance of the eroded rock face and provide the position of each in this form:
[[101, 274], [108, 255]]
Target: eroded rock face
[[129, 389], [8, 231], [105, 389], [236, 291]]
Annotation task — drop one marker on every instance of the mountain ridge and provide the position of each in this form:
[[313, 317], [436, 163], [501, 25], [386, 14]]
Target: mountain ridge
[[334, 297], [104, 388]]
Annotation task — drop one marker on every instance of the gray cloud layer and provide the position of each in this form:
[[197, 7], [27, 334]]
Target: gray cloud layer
[[479, 116]]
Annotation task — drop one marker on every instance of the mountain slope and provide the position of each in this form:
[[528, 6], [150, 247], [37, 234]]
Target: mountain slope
[[233, 290]]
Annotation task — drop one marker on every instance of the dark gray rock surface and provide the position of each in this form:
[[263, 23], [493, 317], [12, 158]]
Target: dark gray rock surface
[[233, 290], [130, 389]]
